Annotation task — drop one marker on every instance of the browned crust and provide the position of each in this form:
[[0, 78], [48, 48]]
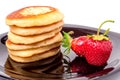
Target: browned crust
[[17, 14], [28, 20]]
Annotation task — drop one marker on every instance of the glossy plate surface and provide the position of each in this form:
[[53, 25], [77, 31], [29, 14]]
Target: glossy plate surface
[[112, 66]]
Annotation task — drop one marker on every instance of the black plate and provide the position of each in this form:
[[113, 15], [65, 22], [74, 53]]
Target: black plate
[[112, 66]]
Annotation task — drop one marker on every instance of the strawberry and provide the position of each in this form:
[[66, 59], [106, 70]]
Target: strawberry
[[78, 45], [95, 48], [97, 52]]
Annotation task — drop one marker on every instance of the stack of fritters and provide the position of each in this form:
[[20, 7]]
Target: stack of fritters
[[34, 33]]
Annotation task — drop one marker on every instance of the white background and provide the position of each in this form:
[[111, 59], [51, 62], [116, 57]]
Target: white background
[[83, 12]]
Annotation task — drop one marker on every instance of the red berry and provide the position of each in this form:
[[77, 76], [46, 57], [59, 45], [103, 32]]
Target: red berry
[[97, 52], [95, 48], [77, 45]]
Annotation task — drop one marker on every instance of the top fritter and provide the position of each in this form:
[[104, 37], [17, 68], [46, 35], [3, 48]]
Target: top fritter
[[34, 16]]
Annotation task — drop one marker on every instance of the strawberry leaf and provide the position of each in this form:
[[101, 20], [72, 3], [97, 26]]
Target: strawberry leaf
[[66, 42]]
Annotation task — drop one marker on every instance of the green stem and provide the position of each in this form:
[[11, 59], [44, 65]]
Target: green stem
[[98, 32], [106, 32]]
